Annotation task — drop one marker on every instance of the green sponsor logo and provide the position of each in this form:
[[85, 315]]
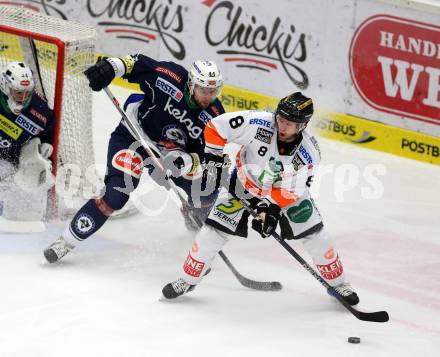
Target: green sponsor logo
[[233, 206], [300, 213]]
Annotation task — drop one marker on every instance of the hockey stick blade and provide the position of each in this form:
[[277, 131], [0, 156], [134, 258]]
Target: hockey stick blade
[[378, 316], [249, 283]]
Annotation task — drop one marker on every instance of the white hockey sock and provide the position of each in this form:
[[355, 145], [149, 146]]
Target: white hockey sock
[[207, 243], [320, 246]]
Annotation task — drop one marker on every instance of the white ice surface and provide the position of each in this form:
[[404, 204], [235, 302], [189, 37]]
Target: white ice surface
[[103, 298]]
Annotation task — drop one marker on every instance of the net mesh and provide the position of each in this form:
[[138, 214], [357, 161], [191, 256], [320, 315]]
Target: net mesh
[[75, 140]]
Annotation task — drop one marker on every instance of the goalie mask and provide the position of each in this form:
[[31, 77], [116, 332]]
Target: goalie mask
[[204, 74], [17, 83]]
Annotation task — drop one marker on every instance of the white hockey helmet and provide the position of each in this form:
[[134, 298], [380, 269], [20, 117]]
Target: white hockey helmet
[[204, 74], [17, 83]]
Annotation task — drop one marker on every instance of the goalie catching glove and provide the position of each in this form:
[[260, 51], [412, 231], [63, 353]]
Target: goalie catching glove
[[34, 167], [268, 216]]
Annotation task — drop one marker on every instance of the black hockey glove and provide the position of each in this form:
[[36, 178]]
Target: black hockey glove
[[100, 75], [267, 220], [214, 166]]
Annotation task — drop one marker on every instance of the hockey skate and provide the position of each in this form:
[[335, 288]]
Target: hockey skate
[[176, 289], [57, 250], [346, 292]]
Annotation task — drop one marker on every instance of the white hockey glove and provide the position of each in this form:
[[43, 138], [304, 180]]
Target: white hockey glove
[[35, 168]]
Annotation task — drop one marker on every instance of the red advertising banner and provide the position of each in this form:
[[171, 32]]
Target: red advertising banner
[[395, 66]]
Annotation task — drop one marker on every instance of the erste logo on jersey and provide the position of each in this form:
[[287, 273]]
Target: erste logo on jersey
[[262, 122], [28, 125], [169, 88], [305, 154], [129, 162]]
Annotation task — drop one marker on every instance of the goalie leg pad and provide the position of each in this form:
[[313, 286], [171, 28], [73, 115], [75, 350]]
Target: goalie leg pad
[[23, 205]]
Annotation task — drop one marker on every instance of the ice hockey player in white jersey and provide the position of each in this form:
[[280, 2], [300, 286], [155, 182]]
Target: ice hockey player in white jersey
[[273, 173]]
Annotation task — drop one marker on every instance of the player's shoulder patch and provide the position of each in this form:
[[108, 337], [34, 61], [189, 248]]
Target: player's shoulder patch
[[165, 69], [39, 108]]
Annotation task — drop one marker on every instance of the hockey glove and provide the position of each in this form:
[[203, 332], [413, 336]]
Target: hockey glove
[[213, 168], [100, 75], [267, 220], [181, 163]]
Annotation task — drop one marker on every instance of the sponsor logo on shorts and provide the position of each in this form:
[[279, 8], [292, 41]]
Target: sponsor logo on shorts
[[264, 135], [300, 213], [28, 125], [230, 221], [129, 162], [9, 128], [193, 267], [331, 271], [169, 89]]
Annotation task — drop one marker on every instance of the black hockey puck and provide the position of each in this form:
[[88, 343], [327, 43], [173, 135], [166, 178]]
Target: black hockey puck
[[354, 340]]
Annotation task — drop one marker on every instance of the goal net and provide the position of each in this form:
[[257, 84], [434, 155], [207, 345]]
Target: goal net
[[58, 52]]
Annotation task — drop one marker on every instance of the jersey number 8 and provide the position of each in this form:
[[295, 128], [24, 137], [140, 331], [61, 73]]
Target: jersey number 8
[[236, 122]]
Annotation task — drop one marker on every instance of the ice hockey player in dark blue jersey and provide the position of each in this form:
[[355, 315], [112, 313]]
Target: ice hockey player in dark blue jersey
[[26, 136], [173, 110]]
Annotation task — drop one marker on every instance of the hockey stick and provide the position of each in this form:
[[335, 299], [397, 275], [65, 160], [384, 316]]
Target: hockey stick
[[378, 316], [140, 136]]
